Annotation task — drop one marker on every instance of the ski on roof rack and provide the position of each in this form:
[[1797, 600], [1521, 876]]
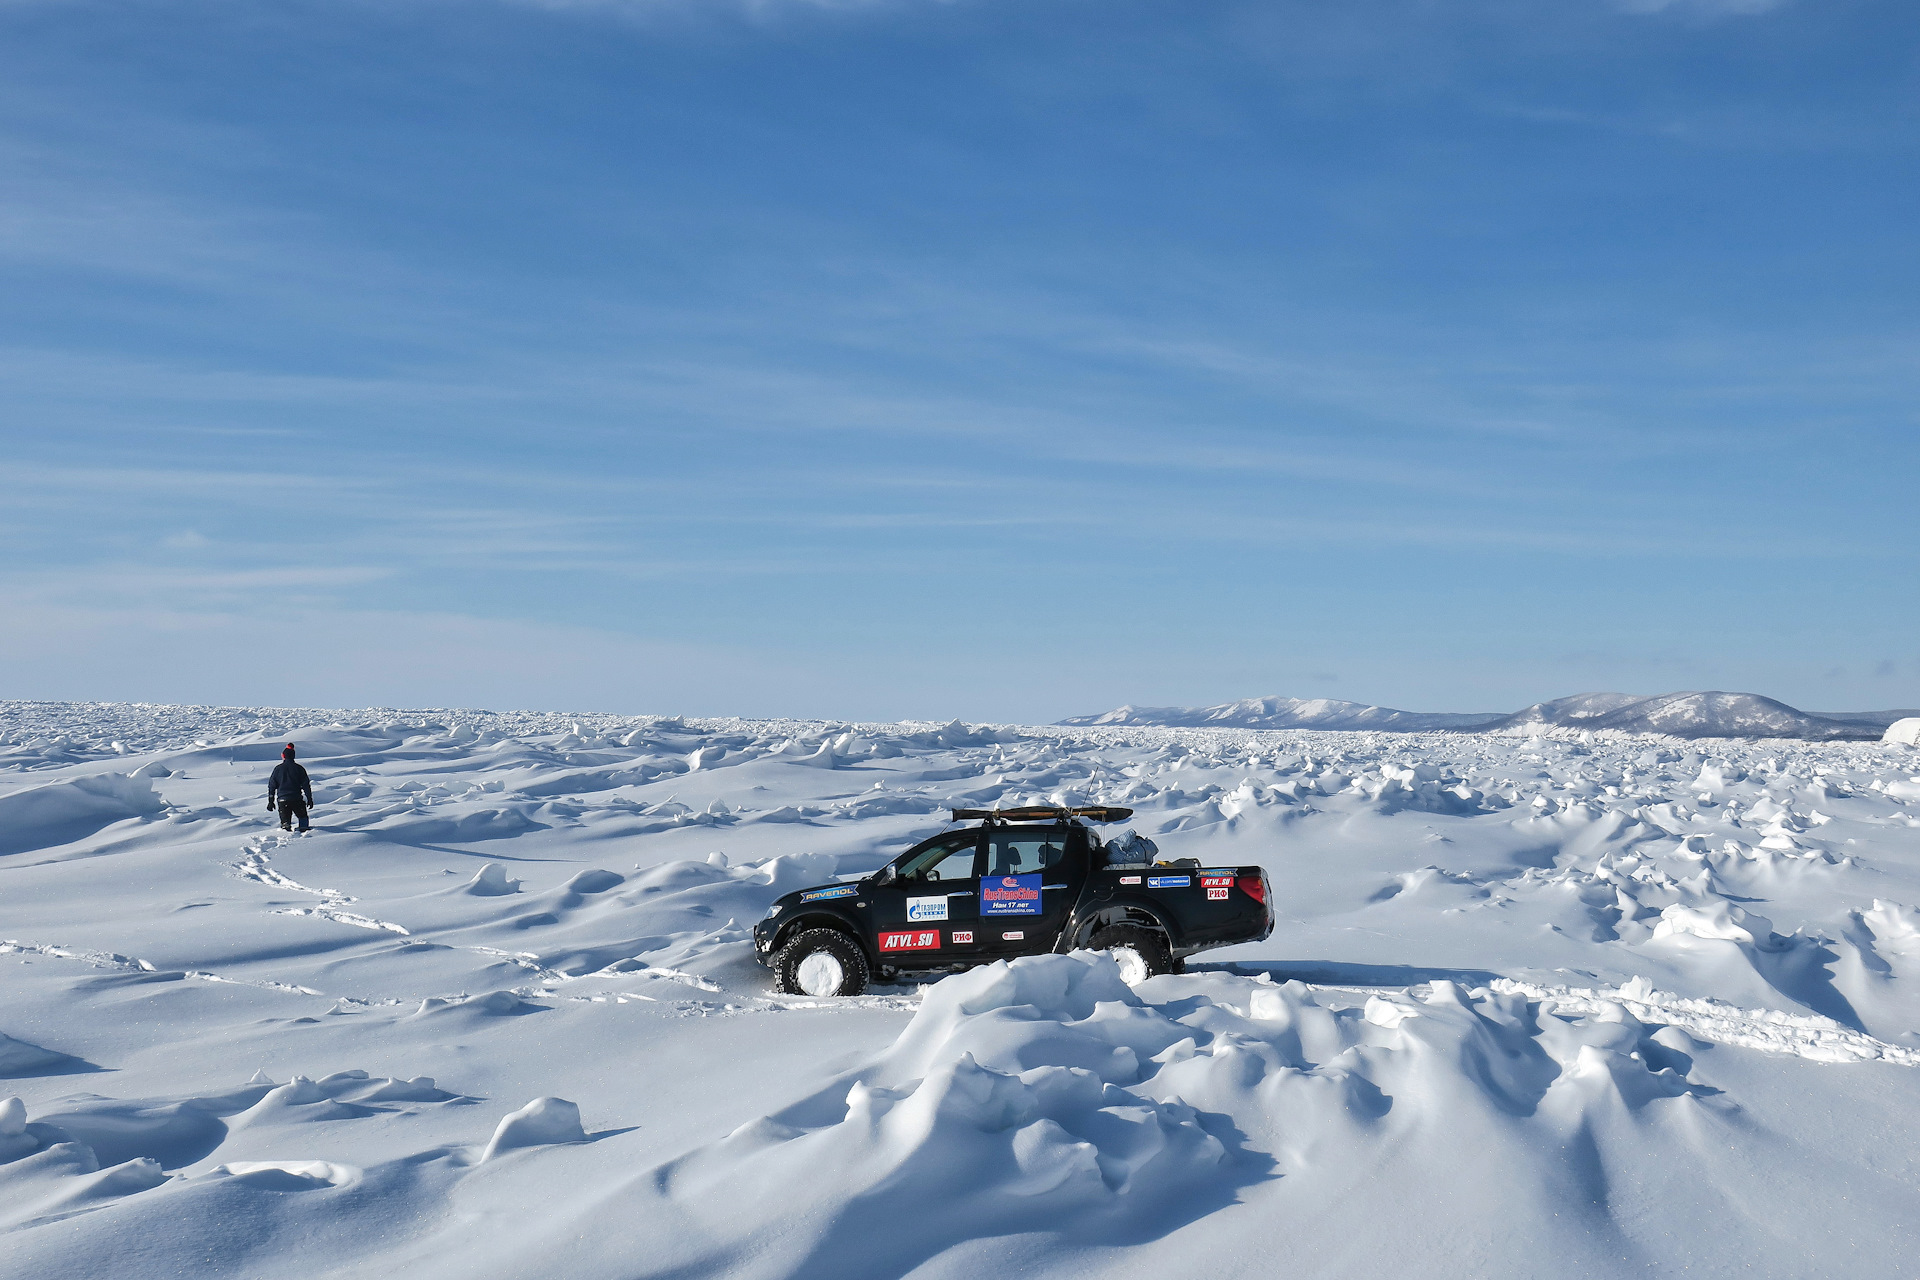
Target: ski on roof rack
[[1043, 812]]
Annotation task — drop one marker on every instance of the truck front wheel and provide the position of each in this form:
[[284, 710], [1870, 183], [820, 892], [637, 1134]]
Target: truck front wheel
[[1143, 953], [821, 962]]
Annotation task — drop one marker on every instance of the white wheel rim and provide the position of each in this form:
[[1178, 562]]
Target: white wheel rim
[[1133, 965], [820, 974]]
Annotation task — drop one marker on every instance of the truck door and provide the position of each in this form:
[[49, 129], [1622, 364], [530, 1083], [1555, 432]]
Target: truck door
[[1028, 886], [930, 914]]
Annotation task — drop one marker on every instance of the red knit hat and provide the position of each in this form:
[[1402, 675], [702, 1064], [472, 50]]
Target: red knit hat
[[287, 751]]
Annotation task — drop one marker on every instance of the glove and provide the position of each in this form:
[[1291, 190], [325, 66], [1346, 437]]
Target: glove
[[269, 802]]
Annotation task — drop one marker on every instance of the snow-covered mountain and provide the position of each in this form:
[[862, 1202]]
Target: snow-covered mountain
[[1288, 713], [1681, 715], [1686, 715]]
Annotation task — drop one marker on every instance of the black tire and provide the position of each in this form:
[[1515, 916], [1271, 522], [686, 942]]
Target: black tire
[[1149, 944], [830, 944]]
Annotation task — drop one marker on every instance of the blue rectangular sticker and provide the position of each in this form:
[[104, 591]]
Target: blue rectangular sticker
[[1010, 895], [844, 891], [1169, 882]]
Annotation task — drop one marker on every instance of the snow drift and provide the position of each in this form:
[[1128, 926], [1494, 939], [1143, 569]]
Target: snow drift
[[1604, 1006]]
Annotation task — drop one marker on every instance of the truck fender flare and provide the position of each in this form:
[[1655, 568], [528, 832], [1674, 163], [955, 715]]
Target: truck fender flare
[[818, 919], [1127, 910]]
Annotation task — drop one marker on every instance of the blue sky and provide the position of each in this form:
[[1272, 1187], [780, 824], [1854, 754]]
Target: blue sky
[[966, 358]]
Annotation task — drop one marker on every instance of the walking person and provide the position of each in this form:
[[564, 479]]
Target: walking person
[[290, 788]]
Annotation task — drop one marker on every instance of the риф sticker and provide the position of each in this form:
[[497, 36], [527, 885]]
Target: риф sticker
[[926, 909], [1010, 895], [843, 891]]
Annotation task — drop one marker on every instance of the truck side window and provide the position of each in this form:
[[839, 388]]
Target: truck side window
[[1014, 855], [946, 860]]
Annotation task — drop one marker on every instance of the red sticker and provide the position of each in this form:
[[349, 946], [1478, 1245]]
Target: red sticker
[[1217, 882], [1018, 935], [1216, 895], [915, 940], [962, 935], [1129, 879]]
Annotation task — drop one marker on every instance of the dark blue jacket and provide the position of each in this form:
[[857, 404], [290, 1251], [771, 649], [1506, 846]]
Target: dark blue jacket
[[289, 780]]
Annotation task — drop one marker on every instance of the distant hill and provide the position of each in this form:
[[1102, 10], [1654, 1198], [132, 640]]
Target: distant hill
[[1682, 715], [1290, 713], [1688, 715]]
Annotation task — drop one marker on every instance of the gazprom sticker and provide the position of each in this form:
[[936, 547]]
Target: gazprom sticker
[[1169, 882], [839, 891], [1010, 895], [926, 909]]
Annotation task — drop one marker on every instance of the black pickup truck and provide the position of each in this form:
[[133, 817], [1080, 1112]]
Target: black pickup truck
[[1024, 882]]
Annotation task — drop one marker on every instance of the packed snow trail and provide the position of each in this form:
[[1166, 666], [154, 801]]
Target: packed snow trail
[[1770, 1030], [254, 864]]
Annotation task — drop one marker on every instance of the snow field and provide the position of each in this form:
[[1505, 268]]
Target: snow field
[[1587, 1004]]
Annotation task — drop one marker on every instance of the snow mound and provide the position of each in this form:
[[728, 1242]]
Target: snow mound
[[1907, 731], [19, 1058], [1005, 1107], [288, 1175], [61, 812], [1045, 1095], [1717, 919], [491, 881], [542, 1122]]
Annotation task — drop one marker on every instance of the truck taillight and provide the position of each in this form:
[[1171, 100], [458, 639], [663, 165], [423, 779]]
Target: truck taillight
[[1254, 887]]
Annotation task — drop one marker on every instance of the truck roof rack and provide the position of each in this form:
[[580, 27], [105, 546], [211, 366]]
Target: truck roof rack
[[1044, 813]]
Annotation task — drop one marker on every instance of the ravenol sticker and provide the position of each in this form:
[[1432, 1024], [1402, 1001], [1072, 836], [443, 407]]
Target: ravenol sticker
[[926, 908], [1010, 895], [1216, 880], [817, 895], [1217, 895], [1017, 935], [1169, 882], [911, 940], [1129, 879], [962, 937]]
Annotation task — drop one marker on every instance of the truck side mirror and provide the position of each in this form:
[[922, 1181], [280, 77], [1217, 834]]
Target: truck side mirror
[[884, 875]]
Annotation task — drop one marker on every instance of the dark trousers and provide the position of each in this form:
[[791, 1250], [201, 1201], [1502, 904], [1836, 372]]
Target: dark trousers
[[292, 807]]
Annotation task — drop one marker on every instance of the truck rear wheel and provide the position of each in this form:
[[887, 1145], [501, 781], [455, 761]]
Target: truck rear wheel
[[821, 962], [1142, 952]]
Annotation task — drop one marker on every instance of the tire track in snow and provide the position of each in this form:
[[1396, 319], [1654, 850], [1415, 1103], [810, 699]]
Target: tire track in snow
[[1807, 1036], [255, 864]]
